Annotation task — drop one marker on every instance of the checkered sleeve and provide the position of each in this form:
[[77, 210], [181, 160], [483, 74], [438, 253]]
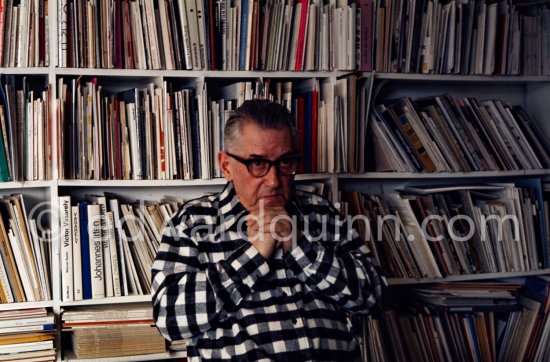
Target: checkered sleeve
[[341, 270], [335, 262], [191, 295]]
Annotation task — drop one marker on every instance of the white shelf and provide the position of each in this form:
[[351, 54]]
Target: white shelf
[[140, 183], [106, 301], [26, 305], [466, 277], [443, 175], [195, 74], [171, 183], [26, 71], [457, 78], [144, 357], [26, 184], [313, 176]]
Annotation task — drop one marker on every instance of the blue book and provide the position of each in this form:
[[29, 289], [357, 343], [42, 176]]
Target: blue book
[[4, 148], [242, 42], [85, 254]]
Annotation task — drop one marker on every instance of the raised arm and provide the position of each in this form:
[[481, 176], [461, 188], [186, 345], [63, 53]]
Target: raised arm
[[335, 262]]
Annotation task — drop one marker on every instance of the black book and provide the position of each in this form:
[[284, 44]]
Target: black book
[[176, 42], [195, 137]]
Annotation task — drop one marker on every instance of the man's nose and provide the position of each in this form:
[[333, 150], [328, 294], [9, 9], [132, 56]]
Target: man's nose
[[272, 177]]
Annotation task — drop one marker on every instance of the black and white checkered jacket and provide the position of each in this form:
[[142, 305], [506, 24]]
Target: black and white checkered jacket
[[212, 288]]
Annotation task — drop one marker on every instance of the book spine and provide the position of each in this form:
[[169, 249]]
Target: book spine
[[96, 252], [113, 254], [67, 281], [77, 253]]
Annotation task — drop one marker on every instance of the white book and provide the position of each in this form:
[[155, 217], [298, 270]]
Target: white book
[[294, 36], [201, 26], [111, 239], [30, 137], [151, 26], [140, 61], [62, 33], [108, 277], [249, 29], [182, 9], [134, 150], [134, 286], [24, 329], [77, 253], [114, 208], [21, 265], [194, 41], [311, 38], [5, 283], [27, 321], [26, 347], [40, 154], [165, 37], [43, 275], [96, 252]]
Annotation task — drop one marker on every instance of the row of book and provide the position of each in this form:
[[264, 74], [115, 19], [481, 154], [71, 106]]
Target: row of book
[[211, 34], [433, 232], [443, 133], [25, 254], [108, 246], [107, 331], [421, 36], [501, 37], [27, 335], [163, 133], [489, 321], [25, 139], [24, 33]]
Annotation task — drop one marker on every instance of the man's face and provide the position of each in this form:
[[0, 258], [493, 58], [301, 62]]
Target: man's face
[[273, 189]]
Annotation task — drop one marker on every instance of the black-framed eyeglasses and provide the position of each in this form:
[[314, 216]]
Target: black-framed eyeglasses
[[259, 167]]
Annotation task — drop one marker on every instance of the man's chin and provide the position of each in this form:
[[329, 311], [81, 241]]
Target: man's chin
[[275, 200]]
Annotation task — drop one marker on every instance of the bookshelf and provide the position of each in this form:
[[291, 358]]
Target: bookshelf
[[530, 91]]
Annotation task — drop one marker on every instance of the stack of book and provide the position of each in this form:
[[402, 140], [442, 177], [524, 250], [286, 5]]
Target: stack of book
[[216, 35], [108, 246], [24, 33], [459, 37], [445, 134], [485, 321], [27, 335], [104, 331], [25, 251], [433, 232], [173, 132], [25, 130]]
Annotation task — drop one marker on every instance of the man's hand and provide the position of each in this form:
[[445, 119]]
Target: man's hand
[[268, 228]]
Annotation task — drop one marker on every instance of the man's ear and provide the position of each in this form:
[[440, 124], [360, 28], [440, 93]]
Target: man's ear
[[223, 161]]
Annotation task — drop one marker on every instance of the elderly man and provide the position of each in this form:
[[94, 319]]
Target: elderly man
[[262, 271]]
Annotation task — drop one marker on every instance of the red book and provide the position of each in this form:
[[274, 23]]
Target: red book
[[301, 35], [367, 9], [127, 42], [212, 26], [119, 54]]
